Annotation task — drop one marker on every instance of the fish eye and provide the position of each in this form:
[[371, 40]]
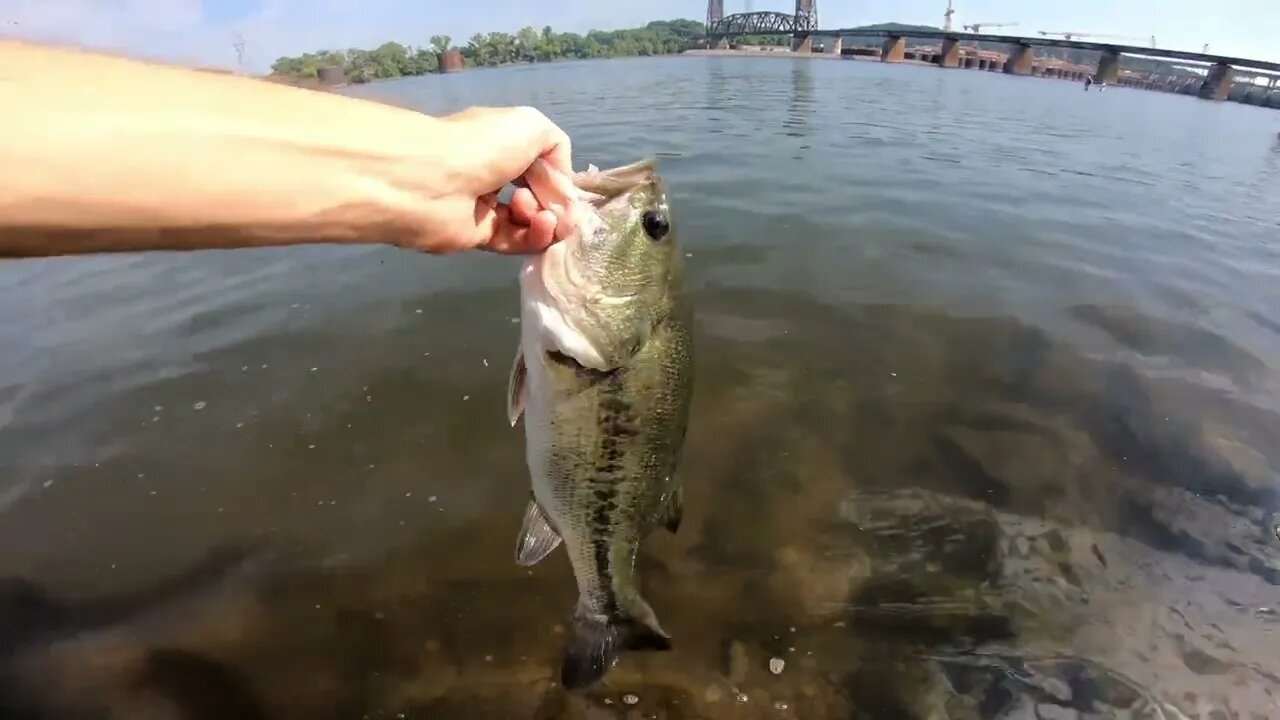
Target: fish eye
[[655, 224]]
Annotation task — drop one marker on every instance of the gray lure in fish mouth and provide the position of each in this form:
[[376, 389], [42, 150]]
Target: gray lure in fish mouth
[[603, 378]]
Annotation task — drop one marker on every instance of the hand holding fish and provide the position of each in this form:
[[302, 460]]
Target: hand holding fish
[[114, 155], [497, 146]]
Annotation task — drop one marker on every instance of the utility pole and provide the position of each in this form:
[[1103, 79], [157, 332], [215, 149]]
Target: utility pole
[[946, 25]]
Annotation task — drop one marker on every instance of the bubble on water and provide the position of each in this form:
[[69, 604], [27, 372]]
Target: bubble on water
[[488, 658], [780, 705], [630, 699], [239, 424], [485, 361], [368, 398], [244, 368], [154, 419], [466, 398], [418, 311], [158, 408], [776, 665], [408, 494], [294, 306], [199, 405], [264, 366], [742, 697], [311, 446], [48, 483], [431, 499], [314, 369]]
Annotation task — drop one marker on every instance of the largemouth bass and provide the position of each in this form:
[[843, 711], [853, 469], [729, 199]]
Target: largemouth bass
[[603, 378]]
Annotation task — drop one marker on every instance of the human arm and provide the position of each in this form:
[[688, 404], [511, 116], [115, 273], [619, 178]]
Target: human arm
[[105, 154]]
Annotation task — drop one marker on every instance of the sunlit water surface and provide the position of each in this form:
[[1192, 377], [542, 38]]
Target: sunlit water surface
[[986, 425]]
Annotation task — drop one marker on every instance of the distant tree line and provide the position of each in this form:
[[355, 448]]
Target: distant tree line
[[392, 59]]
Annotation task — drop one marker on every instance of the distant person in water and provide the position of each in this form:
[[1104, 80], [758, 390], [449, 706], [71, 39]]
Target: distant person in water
[[106, 154]]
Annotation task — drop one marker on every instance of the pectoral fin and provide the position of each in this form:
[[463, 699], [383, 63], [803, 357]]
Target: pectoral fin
[[672, 511], [515, 387], [537, 537]]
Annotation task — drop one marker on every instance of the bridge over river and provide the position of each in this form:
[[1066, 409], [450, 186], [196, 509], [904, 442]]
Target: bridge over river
[[802, 26]]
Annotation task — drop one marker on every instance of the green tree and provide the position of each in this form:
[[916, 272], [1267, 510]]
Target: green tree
[[392, 59]]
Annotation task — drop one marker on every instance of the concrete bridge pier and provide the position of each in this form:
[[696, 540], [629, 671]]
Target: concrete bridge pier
[[834, 45], [1108, 68], [970, 61], [893, 49], [950, 56], [802, 43], [1217, 84], [1021, 59], [721, 44]]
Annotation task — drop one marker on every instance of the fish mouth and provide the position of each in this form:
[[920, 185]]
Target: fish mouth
[[597, 186]]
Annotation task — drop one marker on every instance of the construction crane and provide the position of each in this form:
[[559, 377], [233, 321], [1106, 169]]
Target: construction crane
[[1070, 35], [977, 27], [946, 24]]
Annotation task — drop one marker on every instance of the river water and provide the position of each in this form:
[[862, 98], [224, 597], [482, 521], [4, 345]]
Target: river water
[[986, 425]]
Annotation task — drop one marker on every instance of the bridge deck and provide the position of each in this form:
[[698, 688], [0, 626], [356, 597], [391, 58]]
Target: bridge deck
[[1054, 42]]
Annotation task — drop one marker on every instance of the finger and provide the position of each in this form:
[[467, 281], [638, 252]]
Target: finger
[[557, 148], [542, 230], [555, 192], [512, 239], [560, 151], [523, 206]]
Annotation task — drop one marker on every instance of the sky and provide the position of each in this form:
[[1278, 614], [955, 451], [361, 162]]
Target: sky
[[204, 32]]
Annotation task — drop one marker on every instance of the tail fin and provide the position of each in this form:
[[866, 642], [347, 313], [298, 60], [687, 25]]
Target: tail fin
[[595, 641]]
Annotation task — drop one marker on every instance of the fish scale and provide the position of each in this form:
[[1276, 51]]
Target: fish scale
[[604, 429]]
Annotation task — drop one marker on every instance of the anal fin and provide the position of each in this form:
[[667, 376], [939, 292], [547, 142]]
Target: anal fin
[[537, 537]]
